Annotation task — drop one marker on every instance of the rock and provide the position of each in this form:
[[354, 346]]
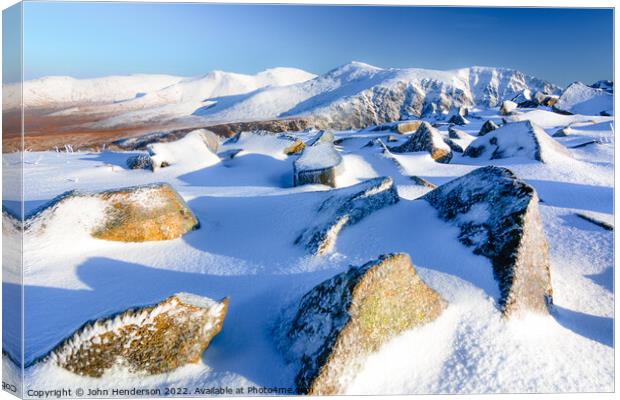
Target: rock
[[344, 207], [454, 133], [140, 161], [391, 138], [517, 139], [454, 146], [487, 127], [426, 138], [350, 316], [195, 148], [320, 163], [458, 119], [321, 137], [151, 340], [544, 99], [407, 126], [422, 182], [524, 95], [295, 148], [498, 216], [210, 139], [507, 107], [566, 131], [135, 214], [578, 98]]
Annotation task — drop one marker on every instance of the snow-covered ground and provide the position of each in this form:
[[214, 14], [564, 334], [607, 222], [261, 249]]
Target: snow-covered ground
[[250, 215]]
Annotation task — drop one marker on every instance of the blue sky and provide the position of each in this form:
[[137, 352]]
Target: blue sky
[[96, 39]]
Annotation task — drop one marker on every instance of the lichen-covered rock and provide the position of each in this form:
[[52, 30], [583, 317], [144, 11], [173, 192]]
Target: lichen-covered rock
[[487, 127], [407, 126], [507, 107], [426, 138], [498, 216], [454, 133], [454, 146], [350, 316], [344, 207], [140, 161], [517, 139], [321, 137], [318, 164], [152, 340], [134, 214]]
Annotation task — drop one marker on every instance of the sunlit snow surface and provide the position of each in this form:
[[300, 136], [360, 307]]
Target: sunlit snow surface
[[250, 216]]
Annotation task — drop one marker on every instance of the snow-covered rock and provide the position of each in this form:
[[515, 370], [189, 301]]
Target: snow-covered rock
[[563, 132], [140, 161], [320, 163], [152, 340], [458, 119], [196, 149], [344, 207], [135, 214], [422, 182], [405, 127], [498, 216], [344, 319], [426, 138], [454, 133], [507, 107], [578, 98], [517, 139], [487, 127], [323, 136]]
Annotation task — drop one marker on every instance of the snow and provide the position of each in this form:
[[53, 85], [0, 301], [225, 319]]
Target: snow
[[250, 215], [320, 156], [581, 99]]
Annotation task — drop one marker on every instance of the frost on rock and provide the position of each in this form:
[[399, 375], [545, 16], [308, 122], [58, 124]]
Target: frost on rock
[[140, 161], [346, 207], [321, 137], [426, 138], [498, 216], [350, 316], [578, 98], [487, 127], [134, 214], [149, 340], [320, 164], [517, 139]]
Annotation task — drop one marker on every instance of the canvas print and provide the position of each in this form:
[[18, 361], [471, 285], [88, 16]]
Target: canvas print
[[258, 200]]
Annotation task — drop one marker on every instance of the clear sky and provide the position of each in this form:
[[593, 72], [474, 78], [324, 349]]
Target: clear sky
[[97, 39]]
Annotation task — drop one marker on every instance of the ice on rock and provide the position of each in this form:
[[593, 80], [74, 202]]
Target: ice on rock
[[344, 319], [135, 214], [344, 207], [151, 340], [498, 216], [517, 139], [318, 164], [428, 139], [578, 98]]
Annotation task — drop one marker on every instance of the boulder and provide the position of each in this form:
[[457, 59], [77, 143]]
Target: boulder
[[135, 214], [524, 95], [498, 217], [147, 340], [544, 99], [321, 137], [563, 132], [578, 98], [195, 148], [210, 139], [344, 319], [517, 139], [458, 119], [295, 148], [140, 161], [344, 207], [487, 127], [407, 126], [454, 133], [320, 164], [426, 138], [507, 107], [454, 146]]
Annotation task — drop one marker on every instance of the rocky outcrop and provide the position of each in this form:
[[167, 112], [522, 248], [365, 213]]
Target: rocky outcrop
[[148, 340], [578, 98], [507, 107], [428, 139], [517, 139], [498, 217], [135, 214], [344, 207], [487, 127], [318, 164], [321, 137], [344, 319], [140, 161]]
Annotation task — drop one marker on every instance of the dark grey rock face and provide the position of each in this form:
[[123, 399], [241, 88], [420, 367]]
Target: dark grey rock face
[[487, 127], [346, 207], [140, 161], [428, 139], [498, 217], [342, 320]]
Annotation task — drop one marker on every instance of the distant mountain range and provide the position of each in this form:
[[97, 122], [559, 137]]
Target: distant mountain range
[[353, 95]]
